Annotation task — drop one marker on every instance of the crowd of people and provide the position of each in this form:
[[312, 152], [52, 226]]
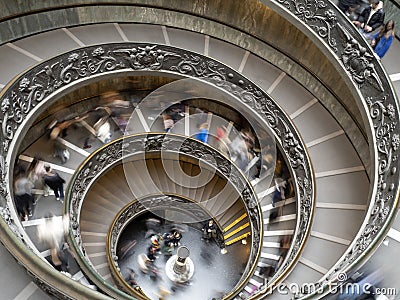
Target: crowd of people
[[173, 114], [370, 20], [242, 148], [163, 243], [159, 244], [37, 176]]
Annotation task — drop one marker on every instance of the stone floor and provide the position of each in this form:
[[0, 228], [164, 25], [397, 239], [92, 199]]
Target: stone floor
[[215, 273]]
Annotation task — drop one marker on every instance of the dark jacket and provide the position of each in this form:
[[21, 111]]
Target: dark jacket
[[54, 181], [376, 19]]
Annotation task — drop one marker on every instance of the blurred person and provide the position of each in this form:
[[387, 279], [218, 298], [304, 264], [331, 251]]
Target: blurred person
[[267, 162], [154, 271], [284, 245], [56, 128], [120, 111], [382, 40], [167, 244], [202, 134], [168, 122], [130, 278], [55, 182], [59, 259], [143, 262], [176, 111], [240, 150], [110, 97], [163, 293], [146, 266], [154, 247], [86, 143], [279, 192], [23, 194], [103, 132], [119, 105], [122, 121], [36, 171], [52, 231], [348, 6], [102, 125], [371, 17], [61, 151], [223, 141]]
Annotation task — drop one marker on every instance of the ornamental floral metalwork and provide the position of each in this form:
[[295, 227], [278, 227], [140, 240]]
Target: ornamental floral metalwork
[[37, 87], [317, 15], [358, 62], [3, 175], [381, 107], [120, 151], [195, 66], [147, 57]]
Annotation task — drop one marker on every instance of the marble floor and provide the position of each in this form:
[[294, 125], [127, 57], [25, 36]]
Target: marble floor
[[214, 273]]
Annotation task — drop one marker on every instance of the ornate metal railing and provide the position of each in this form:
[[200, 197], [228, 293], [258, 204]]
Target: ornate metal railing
[[134, 210], [331, 31], [343, 44], [120, 151], [36, 89]]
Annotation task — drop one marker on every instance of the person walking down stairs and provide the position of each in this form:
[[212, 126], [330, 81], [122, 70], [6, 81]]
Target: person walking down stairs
[[23, 194], [55, 182]]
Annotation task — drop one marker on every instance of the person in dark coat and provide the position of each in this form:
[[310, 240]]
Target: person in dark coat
[[55, 182], [23, 194], [176, 237], [371, 17], [347, 6], [209, 230]]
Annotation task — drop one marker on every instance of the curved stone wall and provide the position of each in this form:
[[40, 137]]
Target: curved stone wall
[[369, 85], [250, 25]]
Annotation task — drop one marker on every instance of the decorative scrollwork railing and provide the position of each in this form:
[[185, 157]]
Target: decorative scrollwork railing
[[340, 40], [120, 150], [36, 89], [135, 209]]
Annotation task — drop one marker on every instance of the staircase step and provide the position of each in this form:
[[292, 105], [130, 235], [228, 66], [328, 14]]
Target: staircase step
[[229, 226], [283, 218], [232, 214]]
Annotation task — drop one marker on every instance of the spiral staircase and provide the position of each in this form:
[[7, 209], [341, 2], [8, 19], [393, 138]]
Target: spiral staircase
[[322, 104]]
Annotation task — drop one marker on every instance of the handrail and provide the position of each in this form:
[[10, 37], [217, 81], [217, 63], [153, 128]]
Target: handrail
[[343, 44], [43, 274], [382, 112], [131, 211], [121, 150], [37, 88]]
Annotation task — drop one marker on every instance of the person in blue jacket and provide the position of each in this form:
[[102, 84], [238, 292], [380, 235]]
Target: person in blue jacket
[[202, 134], [382, 40]]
